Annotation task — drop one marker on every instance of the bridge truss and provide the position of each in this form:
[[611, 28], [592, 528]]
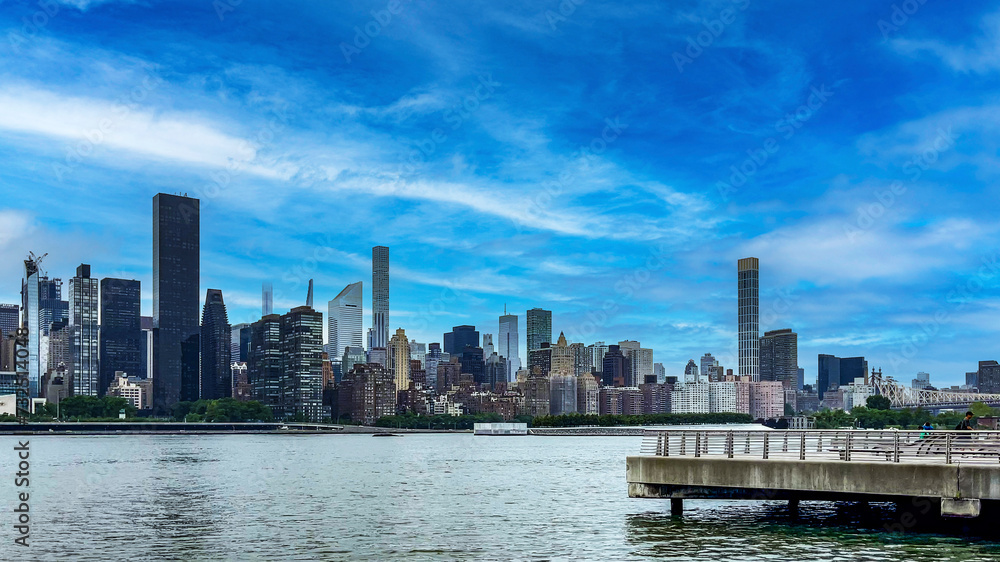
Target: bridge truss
[[901, 396]]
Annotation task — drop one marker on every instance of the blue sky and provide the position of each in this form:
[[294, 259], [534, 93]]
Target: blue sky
[[610, 162]]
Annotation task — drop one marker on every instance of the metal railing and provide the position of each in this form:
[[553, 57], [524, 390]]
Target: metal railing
[[937, 447]]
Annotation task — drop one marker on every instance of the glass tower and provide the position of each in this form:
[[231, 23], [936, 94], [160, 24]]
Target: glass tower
[[748, 273]]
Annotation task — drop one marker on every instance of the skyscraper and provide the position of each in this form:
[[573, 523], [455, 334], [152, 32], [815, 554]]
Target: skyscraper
[[84, 333], [748, 273], [51, 309], [9, 314], [399, 359], [488, 348], [779, 357], [459, 337], [176, 270], [121, 331], [380, 296], [266, 299], [240, 345], [708, 367], [539, 328], [216, 350], [302, 364], [345, 323], [29, 308], [264, 363], [507, 344], [616, 370]]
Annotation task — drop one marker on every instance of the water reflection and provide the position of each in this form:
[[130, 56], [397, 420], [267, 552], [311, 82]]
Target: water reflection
[[820, 531]]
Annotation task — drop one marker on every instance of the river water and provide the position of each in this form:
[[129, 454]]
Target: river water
[[414, 497]]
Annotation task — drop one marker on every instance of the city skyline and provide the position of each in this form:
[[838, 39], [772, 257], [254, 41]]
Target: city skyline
[[861, 253]]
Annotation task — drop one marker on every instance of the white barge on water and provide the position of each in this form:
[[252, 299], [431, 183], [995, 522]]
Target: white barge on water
[[500, 429]]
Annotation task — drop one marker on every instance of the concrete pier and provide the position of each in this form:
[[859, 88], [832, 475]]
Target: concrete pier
[[961, 479]]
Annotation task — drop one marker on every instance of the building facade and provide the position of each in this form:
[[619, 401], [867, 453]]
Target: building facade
[[176, 275], [748, 315], [216, 348], [85, 333], [507, 344], [538, 328], [779, 357], [380, 296], [345, 319], [399, 359], [121, 337]]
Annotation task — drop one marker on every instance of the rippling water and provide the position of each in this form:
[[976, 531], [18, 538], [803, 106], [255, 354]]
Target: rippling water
[[415, 497]]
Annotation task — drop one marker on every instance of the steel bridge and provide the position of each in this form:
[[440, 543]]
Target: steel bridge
[[901, 396]]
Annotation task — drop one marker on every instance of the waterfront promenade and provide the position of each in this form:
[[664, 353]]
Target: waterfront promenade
[[958, 470]]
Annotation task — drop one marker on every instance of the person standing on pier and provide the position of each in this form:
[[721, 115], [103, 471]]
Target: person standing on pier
[[965, 424]]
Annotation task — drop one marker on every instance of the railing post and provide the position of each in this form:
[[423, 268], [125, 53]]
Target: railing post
[[697, 444], [849, 443], [947, 449], [802, 446], [729, 444], [766, 435], [666, 444], [895, 447], [683, 443], [746, 450]]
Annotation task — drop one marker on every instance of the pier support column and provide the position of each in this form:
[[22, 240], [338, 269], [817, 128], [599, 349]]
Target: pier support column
[[793, 507], [676, 507]]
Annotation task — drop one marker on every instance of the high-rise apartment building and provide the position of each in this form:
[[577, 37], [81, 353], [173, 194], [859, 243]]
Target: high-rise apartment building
[[302, 364], [617, 369], [239, 347], [779, 357], [833, 372], [29, 308], [176, 271], [659, 372], [380, 296], [538, 326], [988, 377], [748, 274], [691, 372], [399, 359], [216, 348], [84, 333], [51, 309], [120, 331], [345, 319], [507, 344]]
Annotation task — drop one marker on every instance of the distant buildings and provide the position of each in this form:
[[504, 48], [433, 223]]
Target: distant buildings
[[9, 319], [833, 372], [779, 357], [459, 337], [216, 348], [507, 344], [538, 326], [302, 365], [121, 337], [617, 369], [988, 377], [176, 273], [691, 373], [922, 381], [380, 296], [84, 333], [367, 393], [748, 274], [399, 359]]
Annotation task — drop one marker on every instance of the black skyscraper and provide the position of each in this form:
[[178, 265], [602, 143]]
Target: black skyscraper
[[216, 348], [121, 332], [460, 336], [176, 269], [617, 368]]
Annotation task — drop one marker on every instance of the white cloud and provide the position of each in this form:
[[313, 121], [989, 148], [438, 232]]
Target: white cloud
[[982, 57]]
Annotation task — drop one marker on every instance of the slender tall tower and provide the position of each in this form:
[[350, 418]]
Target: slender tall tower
[[399, 359], [507, 344], [748, 273], [266, 299], [84, 338], [380, 296], [176, 271], [216, 348], [29, 307]]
